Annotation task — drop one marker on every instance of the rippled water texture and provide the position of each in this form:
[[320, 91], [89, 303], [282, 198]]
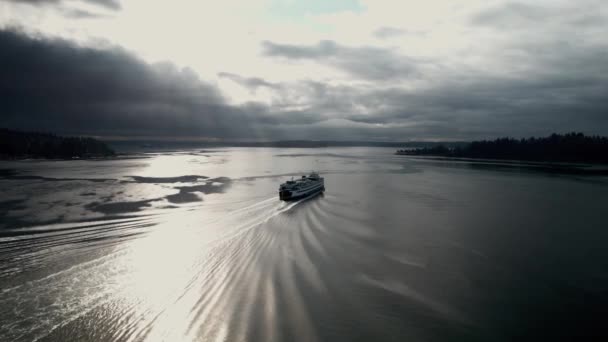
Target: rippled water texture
[[195, 246]]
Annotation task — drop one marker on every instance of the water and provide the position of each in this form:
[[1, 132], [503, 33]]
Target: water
[[195, 246]]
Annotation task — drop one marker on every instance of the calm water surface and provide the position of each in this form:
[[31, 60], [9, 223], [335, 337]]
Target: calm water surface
[[195, 246]]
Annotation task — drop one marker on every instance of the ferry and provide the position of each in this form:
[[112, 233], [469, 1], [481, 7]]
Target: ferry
[[305, 186]]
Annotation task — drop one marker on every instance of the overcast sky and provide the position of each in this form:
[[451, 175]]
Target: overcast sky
[[316, 69]]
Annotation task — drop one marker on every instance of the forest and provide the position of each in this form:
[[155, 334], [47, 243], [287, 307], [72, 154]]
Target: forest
[[18, 144], [571, 147]]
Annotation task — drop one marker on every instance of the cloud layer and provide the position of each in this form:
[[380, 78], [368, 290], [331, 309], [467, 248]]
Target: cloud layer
[[477, 70], [110, 4], [53, 84]]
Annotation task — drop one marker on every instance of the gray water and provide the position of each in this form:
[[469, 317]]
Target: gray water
[[195, 246]]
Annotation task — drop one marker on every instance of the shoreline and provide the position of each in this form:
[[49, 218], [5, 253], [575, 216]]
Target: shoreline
[[592, 169]]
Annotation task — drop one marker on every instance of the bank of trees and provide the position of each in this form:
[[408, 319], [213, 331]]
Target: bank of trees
[[571, 147], [17, 144]]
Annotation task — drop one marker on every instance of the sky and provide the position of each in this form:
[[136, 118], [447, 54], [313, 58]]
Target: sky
[[260, 70]]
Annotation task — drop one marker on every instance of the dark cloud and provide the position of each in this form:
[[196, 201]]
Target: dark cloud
[[562, 96], [491, 107], [109, 92], [55, 85], [110, 4], [278, 114], [366, 62]]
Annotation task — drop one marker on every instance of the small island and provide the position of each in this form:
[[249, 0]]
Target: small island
[[562, 148], [19, 145]]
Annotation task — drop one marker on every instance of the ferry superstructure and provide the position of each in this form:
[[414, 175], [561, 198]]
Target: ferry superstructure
[[302, 187]]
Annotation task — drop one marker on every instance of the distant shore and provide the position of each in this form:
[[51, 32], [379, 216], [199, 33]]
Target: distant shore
[[556, 148], [33, 145], [572, 153]]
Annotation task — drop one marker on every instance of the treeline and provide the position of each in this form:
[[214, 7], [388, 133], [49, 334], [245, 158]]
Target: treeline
[[571, 147], [16, 144]]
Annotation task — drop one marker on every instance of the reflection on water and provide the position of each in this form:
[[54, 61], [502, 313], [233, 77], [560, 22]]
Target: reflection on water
[[196, 246]]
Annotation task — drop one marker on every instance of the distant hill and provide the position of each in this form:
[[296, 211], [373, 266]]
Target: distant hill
[[571, 147], [17, 144]]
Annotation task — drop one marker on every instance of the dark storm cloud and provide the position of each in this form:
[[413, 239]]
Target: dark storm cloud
[[492, 107], [111, 4], [365, 62], [55, 85], [277, 114], [461, 106]]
